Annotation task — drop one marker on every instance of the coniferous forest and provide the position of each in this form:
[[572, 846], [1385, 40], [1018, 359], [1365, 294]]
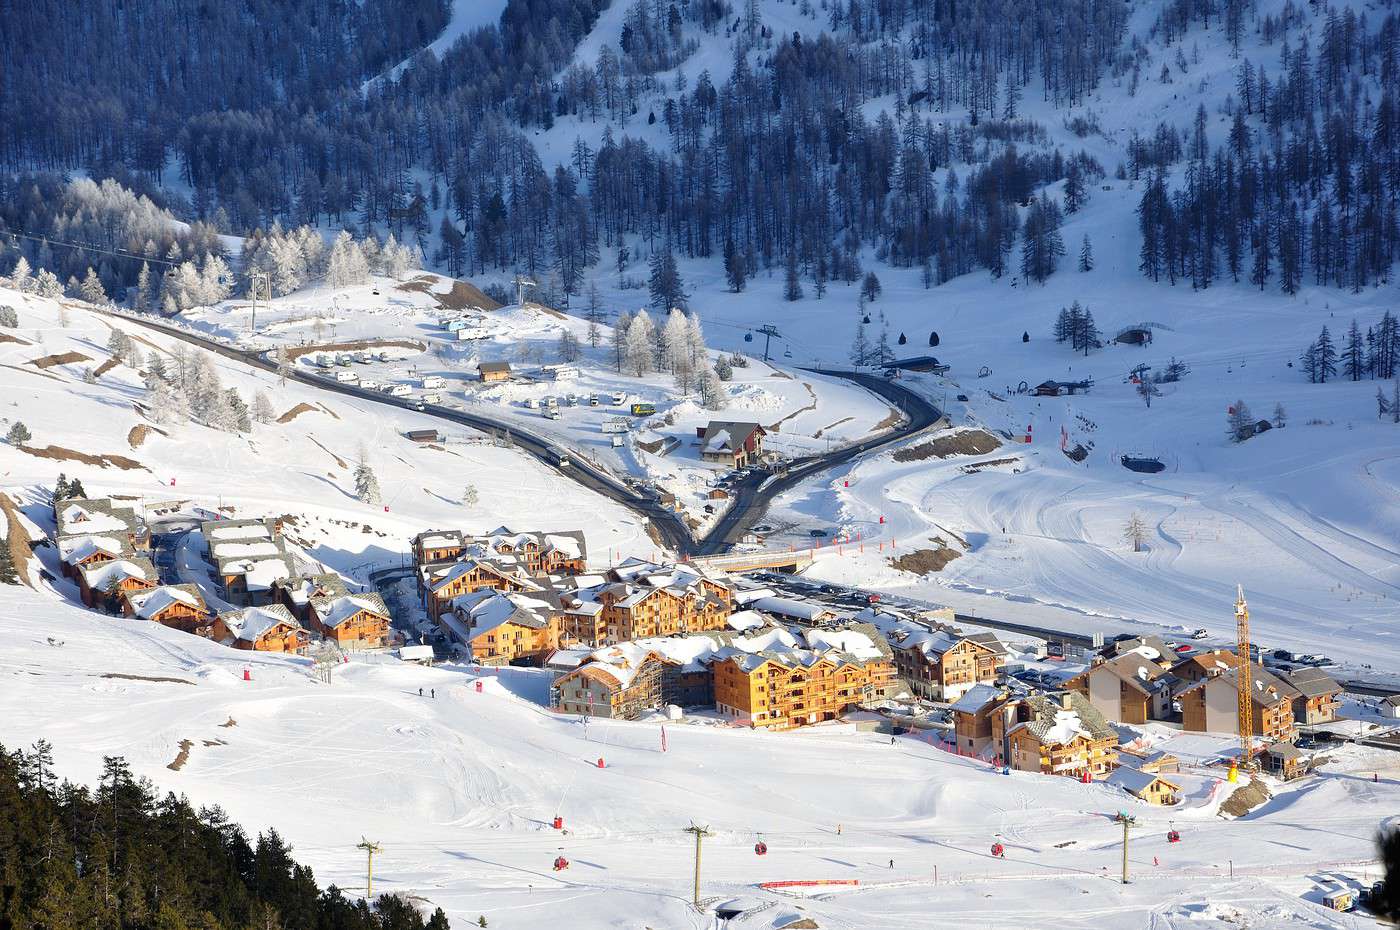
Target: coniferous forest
[[117, 857], [275, 112]]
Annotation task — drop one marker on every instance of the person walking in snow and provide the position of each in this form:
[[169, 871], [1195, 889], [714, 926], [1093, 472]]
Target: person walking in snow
[[433, 692], [420, 692]]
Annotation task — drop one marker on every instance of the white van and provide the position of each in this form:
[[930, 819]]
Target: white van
[[618, 398], [369, 385], [433, 382], [364, 358], [431, 398], [400, 390], [347, 377], [324, 361]]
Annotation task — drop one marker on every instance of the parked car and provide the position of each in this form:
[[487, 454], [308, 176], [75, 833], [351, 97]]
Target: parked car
[[816, 533], [1200, 634], [1183, 647]]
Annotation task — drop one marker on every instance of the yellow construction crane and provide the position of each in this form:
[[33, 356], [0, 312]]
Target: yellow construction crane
[[1243, 677]]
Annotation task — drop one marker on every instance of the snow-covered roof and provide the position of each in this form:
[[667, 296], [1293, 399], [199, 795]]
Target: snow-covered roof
[[333, 611], [243, 549], [567, 658], [102, 576], [791, 607], [149, 604], [93, 516], [301, 588], [237, 529], [742, 620], [1058, 719], [252, 622], [76, 548], [415, 653], [976, 698], [488, 609], [860, 643], [1132, 780], [262, 574]]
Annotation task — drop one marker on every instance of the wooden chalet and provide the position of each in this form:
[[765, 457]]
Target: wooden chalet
[[730, 443], [501, 628], [263, 629], [643, 600], [351, 620], [106, 584], [489, 372], [1152, 787], [250, 558], [625, 688], [1130, 688], [1284, 760], [438, 546], [1211, 705], [972, 720], [472, 574], [1056, 734], [296, 593], [76, 553], [942, 665], [562, 553], [77, 516], [180, 607], [1318, 695], [780, 690]]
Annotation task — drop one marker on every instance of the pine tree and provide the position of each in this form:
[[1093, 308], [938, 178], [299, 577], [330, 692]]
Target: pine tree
[[624, 322], [141, 299], [569, 348], [19, 434], [8, 575], [734, 271], [9, 318], [366, 484], [1354, 354], [870, 287], [1280, 415], [1326, 356], [60, 488], [1086, 255], [723, 368], [91, 289], [665, 284], [675, 340], [792, 285], [860, 346], [1382, 404]]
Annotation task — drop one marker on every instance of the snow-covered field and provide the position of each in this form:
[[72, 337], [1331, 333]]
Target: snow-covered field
[[302, 467], [461, 789], [803, 412]]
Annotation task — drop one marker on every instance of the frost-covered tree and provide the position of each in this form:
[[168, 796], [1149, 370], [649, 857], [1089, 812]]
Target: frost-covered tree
[[366, 483], [236, 416], [1086, 255], [347, 266], [1280, 415], [724, 369], [262, 408], [1240, 421], [284, 364], [46, 284], [166, 403], [619, 339], [215, 280], [675, 340], [20, 278], [569, 348], [469, 496], [9, 318], [141, 296], [91, 289], [1135, 532], [712, 393], [641, 336]]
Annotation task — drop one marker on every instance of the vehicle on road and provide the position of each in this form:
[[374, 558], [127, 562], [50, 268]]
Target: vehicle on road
[[562, 460], [643, 410], [816, 533], [619, 398], [1200, 634], [552, 413]]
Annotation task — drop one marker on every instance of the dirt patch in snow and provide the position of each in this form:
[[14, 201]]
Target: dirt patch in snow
[[60, 454], [1245, 799], [157, 678], [67, 358], [230, 722], [6, 337], [464, 294], [106, 367], [818, 433], [338, 460], [37, 374], [891, 420], [925, 561], [139, 433], [963, 442], [16, 538], [182, 757], [295, 412], [777, 427], [296, 352], [975, 467]]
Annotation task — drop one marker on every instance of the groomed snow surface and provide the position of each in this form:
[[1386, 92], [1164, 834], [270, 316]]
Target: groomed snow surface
[[460, 790]]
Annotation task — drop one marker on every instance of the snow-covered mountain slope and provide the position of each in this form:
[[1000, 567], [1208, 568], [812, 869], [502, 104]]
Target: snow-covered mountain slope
[[460, 790], [302, 462]]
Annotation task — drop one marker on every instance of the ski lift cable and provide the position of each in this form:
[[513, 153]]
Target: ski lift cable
[[115, 253]]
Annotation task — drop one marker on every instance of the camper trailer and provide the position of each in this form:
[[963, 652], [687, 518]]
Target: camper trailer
[[347, 377], [400, 390], [431, 398], [434, 382]]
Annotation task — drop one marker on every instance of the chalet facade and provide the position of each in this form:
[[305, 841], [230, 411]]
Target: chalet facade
[[1318, 695], [438, 546], [76, 553], [296, 593], [736, 445], [1056, 734], [625, 687], [943, 666], [250, 558], [180, 607], [470, 574], [262, 629], [972, 720], [500, 628], [491, 372], [1211, 705], [103, 586], [1130, 688], [780, 690], [1152, 787], [354, 620], [642, 600]]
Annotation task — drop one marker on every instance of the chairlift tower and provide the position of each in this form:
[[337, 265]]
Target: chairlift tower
[[769, 332], [522, 282]]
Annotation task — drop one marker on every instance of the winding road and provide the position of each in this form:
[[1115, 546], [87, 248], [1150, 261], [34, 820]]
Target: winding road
[[750, 496]]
